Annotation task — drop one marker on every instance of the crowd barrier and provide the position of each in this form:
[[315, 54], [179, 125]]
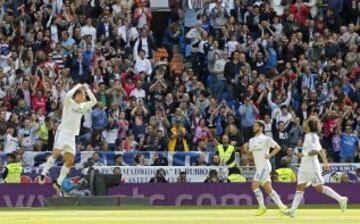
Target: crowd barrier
[[142, 174], [32, 195]]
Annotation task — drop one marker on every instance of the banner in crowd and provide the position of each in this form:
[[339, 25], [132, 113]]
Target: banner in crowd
[[143, 174], [33, 195], [134, 174]]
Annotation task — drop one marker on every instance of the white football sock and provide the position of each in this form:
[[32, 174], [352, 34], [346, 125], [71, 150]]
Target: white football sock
[[63, 173], [48, 165], [260, 198], [297, 200], [331, 193], [275, 197]]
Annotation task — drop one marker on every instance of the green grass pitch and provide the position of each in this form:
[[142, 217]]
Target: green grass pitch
[[172, 215]]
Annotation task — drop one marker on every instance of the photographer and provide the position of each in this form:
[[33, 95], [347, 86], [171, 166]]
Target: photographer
[[213, 177], [182, 177], [93, 161], [159, 177]]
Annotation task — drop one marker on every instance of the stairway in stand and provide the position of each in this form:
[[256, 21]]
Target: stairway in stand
[[176, 63]]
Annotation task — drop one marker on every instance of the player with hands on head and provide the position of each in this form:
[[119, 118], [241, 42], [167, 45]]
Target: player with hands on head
[[75, 106]]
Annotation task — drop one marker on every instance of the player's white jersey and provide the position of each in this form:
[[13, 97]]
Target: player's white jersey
[[311, 163], [260, 146], [72, 112]]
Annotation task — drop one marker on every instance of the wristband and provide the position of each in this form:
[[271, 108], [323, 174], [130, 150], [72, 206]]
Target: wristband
[[305, 153]]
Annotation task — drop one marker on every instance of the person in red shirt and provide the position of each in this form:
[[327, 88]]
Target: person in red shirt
[[38, 101], [300, 10]]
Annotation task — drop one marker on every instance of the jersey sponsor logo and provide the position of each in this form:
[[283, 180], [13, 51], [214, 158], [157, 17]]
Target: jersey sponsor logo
[[77, 110]]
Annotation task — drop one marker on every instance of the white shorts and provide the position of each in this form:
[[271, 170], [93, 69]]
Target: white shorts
[[65, 142], [314, 178], [262, 176]]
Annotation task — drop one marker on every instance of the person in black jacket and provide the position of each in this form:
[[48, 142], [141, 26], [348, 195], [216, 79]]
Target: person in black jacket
[[159, 177], [281, 136], [80, 71], [232, 72]]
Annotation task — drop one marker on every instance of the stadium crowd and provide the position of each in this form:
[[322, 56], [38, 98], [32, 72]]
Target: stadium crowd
[[280, 61]]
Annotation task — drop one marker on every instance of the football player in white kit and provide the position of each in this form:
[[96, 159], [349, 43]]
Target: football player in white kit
[[310, 168], [260, 146], [75, 106]]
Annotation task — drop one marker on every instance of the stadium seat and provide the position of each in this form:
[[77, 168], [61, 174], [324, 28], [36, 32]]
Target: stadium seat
[[25, 180], [48, 180]]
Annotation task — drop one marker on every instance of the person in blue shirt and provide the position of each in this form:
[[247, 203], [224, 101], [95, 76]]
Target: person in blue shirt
[[349, 145], [248, 112], [66, 43], [88, 53], [99, 117], [71, 189]]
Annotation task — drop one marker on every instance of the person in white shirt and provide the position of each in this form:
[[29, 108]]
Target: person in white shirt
[[138, 92], [88, 29], [142, 64], [231, 45], [75, 106], [284, 115], [310, 168], [11, 141], [260, 146]]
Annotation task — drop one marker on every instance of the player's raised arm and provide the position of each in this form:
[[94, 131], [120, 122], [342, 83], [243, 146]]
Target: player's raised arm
[[69, 95], [93, 99]]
